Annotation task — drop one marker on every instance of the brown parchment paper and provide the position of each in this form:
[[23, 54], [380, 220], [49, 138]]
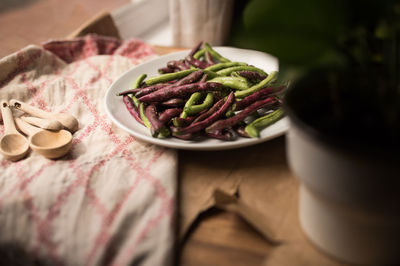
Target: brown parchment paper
[[255, 183], [200, 174]]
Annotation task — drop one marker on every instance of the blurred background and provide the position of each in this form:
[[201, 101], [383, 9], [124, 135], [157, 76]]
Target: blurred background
[[24, 22]]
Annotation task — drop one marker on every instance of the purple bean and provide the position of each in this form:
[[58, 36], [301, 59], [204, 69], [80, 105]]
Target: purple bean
[[192, 77], [174, 102], [261, 94], [194, 127], [197, 63], [165, 70], [204, 78], [218, 95], [139, 92], [179, 91], [251, 75], [229, 122], [132, 108], [187, 64], [188, 136], [210, 111], [142, 91], [209, 58], [183, 122], [151, 114], [240, 130], [168, 114], [225, 134], [177, 64], [195, 49]]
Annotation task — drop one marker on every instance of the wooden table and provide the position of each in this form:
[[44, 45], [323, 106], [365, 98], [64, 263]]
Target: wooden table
[[218, 238]]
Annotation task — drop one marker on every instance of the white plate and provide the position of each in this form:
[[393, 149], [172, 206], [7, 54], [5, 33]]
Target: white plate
[[118, 113]]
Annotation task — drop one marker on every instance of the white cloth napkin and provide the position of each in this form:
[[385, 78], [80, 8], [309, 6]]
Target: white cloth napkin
[[111, 199]]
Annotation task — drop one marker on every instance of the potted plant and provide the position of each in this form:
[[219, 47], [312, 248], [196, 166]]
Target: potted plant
[[343, 61]]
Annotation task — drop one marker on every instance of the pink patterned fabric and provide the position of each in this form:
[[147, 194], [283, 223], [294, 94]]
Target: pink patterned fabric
[[111, 199]]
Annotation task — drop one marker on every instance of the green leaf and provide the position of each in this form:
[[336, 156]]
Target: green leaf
[[294, 31]]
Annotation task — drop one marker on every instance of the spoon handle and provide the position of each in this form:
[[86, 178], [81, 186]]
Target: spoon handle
[[48, 124], [26, 128], [29, 109], [9, 125], [67, 120]]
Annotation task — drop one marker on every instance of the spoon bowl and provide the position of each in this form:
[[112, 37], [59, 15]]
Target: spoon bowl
[[13, 145], [50, 144], [67, 120]]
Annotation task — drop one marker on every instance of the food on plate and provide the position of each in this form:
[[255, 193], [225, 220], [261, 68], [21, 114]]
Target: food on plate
[[206, 95]]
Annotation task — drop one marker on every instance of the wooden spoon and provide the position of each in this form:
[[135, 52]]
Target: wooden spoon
[[50, 144], [49, 124], [67, 120], [13, 145]]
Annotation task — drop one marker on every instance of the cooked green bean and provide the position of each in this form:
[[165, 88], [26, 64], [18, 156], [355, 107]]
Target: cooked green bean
[[229, 70], [144, 118], [215, 54], [138, 81], [195, 97], [271, 77], [220, 66], [163, 133], [169, 76], [253, 129], [194, 109], [232, 82], [235, 74], [136, 85], [199, 54], [231, 111], [210, 73], [135, 100]]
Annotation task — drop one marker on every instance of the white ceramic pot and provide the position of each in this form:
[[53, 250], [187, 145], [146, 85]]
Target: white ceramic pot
[[349, 199]]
